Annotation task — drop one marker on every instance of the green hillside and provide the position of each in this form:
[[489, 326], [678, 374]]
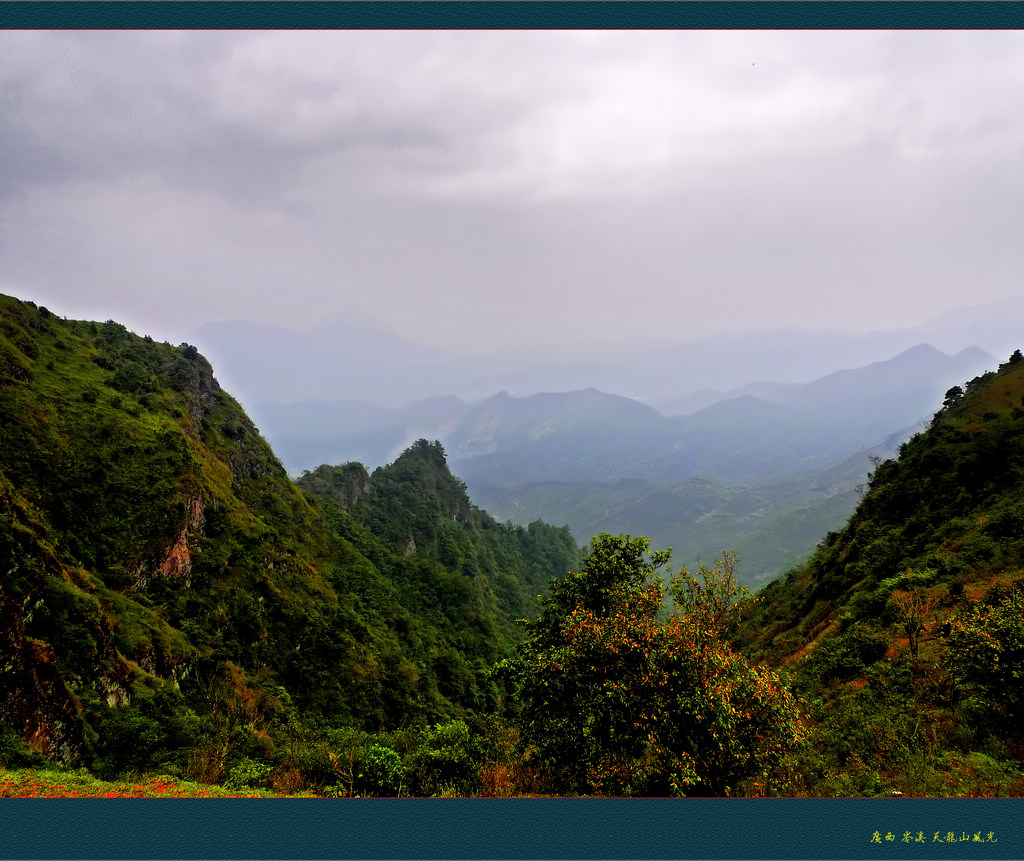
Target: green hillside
[[770, 527], [416, 507], [171, 601], [905, 631], [174, 608]]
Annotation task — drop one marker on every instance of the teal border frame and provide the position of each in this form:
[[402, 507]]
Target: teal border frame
[[512, 828], [524, 828], [514, 14]]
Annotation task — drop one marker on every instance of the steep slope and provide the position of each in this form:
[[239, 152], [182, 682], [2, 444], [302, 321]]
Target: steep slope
[[415, 506], [904, 629], [950, 502], [168, 597]]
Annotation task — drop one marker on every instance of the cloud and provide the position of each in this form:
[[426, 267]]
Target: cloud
[[513, 189]]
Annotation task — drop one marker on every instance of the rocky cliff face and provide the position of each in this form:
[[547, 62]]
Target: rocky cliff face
[[175, 560], [113, 451]]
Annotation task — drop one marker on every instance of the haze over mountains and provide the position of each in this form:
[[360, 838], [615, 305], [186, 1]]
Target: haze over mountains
[[739, 437], [755, 443], [493, 267], [362, 360], [765, 474]]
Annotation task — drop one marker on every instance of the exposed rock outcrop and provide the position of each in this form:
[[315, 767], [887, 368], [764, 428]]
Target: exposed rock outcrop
[[176, 560]]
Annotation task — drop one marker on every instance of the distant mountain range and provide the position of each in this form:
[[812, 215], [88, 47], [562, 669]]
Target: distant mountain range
[[700, 443], [705, 481], [357, 360], [739, 435]]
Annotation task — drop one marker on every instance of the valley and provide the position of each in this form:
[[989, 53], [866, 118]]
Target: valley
[[765, 470], [178, 611]]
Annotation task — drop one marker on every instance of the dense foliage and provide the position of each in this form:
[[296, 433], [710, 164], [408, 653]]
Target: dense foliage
[[416, 507], [170, 601], [904, 630], [617, 700], [986, 653]]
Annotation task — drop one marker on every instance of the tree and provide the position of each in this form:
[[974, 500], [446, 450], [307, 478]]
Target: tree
[[953, 397], [914, 609], [986, 644], [617, 699]]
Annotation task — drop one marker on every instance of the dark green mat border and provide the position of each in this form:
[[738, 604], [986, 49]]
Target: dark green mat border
[[509, 829], [618, 14]]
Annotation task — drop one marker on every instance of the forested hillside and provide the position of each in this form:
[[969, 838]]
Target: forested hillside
[[174, 608], [905, 630], [416, 507], [170, 600]]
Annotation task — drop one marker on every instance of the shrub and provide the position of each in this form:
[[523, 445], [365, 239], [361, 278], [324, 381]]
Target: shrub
[[248, 774], [383, 772], [447, 759], [986, 651], [618, 701], [848, 654]]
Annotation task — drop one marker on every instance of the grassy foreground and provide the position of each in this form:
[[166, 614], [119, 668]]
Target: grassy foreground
[[58, 783]]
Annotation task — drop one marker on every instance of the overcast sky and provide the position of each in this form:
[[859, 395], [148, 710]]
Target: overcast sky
[[512, 190]]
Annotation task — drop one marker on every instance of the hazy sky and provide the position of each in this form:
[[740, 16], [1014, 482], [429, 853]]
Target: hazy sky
[[527, 190]]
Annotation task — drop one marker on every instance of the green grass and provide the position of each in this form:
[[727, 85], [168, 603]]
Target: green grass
[[63, 783]]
